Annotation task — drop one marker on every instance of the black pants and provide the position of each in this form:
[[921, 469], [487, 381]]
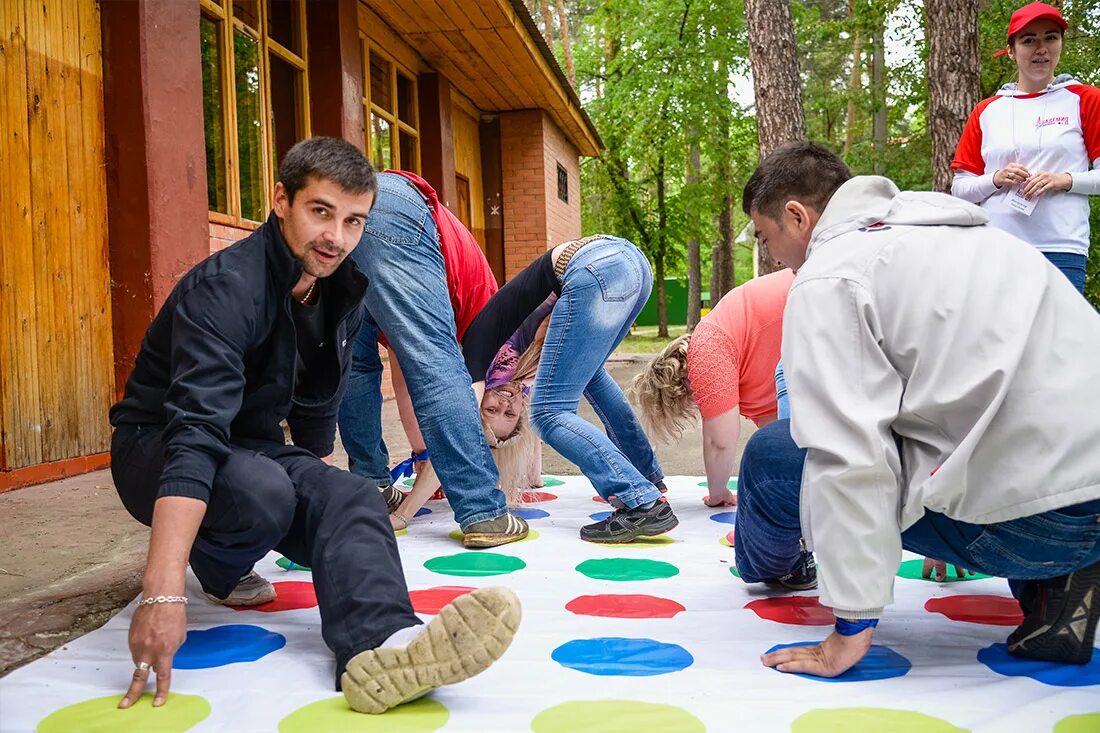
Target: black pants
[[272, 496]]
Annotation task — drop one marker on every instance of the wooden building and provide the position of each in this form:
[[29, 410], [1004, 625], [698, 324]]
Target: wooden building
[[140, 135]]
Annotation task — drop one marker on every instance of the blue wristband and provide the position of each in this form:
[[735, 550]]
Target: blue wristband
[[405, 468], [844, 627]]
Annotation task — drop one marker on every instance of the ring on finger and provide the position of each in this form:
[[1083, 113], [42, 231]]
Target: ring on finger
[[142, 666]]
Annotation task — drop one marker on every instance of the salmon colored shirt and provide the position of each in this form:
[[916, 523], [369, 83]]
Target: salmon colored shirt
[[734, 350]]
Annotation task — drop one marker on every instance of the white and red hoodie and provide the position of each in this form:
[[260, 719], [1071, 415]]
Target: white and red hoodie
[[1056, 130]]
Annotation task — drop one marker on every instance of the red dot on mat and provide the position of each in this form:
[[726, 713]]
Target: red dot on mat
[[797, 610], [533, 497], [289, 596], [430, 600], [599, 498], [996, 610], [624, 606], [730, 538]]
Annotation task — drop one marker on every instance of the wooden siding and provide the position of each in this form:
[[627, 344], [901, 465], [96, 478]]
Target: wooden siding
[[465, 123], [56, 360], [485, 49]]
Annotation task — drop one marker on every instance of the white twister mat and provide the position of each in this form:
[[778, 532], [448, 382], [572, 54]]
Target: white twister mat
[[645, 638]]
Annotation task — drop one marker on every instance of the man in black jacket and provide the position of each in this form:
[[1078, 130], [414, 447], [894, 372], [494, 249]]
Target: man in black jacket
[[255, 334]]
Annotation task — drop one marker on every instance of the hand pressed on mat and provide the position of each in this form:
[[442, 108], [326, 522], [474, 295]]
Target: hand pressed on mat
[[831, 658]]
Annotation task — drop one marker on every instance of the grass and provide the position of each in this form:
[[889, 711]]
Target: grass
[[644, 340]]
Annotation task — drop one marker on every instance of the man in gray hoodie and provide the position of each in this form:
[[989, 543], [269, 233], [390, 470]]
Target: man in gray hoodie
[[942, 378]]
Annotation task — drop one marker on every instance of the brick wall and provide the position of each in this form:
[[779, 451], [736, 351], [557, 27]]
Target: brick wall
[[563, 220], [534, 217]]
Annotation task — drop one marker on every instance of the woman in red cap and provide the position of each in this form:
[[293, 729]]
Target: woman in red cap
[[1028, 155]]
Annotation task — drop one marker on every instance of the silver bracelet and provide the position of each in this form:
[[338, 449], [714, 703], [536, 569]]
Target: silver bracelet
[[163, 599]]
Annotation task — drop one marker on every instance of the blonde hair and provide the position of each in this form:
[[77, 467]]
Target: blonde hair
[[663, 393], [512, 456]]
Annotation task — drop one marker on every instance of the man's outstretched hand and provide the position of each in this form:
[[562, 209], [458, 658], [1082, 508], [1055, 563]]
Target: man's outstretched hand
[[832, 657]]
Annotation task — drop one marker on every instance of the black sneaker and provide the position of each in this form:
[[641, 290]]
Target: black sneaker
[[393, 497], [626, 525], [802, 577], [1060, 616]]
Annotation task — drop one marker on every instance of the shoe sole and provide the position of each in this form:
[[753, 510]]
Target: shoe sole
[[267, 596], [627, 539], [467, 636], [1068, 638], [479, 540]]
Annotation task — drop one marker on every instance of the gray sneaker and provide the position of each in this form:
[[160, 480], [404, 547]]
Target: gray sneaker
[[468, 635], [252, 590], [493, 532]]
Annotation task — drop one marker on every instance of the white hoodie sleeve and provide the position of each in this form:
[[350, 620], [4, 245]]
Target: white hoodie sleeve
[[1087, 183], [975, 189], [848, 396]]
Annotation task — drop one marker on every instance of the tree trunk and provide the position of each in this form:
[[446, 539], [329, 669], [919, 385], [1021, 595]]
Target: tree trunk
[[775, 80], [566, 46], [855, 81], [878, 93], [695, 268], [660, 249], [662, 303], [722, 275], [547, 21], [954, 78]]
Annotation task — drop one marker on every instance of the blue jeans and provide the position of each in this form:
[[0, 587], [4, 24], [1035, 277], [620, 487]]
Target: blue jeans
[[605, 286], [1071, 265], [1040, 546], [408, 300]]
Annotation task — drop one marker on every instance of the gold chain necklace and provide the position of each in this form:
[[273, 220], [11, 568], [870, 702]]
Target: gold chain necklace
[[309, 294]]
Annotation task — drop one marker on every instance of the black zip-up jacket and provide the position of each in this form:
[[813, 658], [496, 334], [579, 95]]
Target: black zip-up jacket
[[219, 361]]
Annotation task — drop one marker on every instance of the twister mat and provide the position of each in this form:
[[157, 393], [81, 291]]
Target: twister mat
[[655, 637]]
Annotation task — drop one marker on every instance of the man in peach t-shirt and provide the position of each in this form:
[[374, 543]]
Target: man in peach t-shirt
[[724, 369]]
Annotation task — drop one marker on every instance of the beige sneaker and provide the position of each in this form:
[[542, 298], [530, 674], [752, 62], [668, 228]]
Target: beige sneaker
[[494, 532], [468, 635], [252, 590]]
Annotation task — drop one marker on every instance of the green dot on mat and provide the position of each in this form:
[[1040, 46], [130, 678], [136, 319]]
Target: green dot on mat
[[532, 535], [870, 720], [615, 716], [420, 716], [551, 481], [101, 715], [475, 564], [287, 564], [731, 484], [623, 568], [912, 569], [733, 572], [1087, 723], [407, 482]]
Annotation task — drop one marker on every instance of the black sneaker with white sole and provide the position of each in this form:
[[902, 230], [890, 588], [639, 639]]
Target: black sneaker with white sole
[[803, 575], [1060, 617], [626, 525]]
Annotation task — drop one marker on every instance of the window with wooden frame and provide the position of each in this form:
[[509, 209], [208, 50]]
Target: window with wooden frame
[[391, 120], [255, 99]]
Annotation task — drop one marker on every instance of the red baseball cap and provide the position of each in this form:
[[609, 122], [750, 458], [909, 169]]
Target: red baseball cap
[[1029, 13]]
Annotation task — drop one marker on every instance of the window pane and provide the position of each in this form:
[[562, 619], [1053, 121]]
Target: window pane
[[249, 131], [406, 100], [410, 158], [248, 12], [285, 95], [213, 115], [380, 143], [282, 23], [380, 92]]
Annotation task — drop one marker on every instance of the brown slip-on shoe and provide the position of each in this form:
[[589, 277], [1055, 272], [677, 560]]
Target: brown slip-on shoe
[[468, 635], [495, 532]]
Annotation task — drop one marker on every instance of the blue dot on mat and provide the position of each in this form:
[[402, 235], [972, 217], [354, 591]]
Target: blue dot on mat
[[599, 516], [530, 513], [627, 657], [880, 663], [997, 658], [724, 517], [223, 645], [422, 511]]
